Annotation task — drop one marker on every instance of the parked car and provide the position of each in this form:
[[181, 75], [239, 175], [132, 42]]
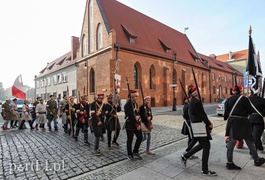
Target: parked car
[[220, 108]]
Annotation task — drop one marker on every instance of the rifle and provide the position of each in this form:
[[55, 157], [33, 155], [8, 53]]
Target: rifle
[[116, 100], [183, 89], [70, 112], [142, 92], [196, 84]]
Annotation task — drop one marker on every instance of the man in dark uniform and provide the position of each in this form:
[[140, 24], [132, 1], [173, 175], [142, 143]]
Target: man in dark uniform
[[97, 121], [82, 111], [198, 115], [52, 113], [112, 122], [256, 119], [237, 110], [133, 126], [70, 110], [34, 110]]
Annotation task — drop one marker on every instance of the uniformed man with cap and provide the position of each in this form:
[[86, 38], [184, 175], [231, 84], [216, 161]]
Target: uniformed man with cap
[[6, 114], [34, 110], [133, 126], [82, 111], [70, 110], [52, 112], [62, 113], [98, 117], [112, 122]]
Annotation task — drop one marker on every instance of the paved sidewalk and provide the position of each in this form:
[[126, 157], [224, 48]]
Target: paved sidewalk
[[166, 164]]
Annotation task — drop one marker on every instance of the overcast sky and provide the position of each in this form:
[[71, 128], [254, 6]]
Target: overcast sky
[[34, 32]]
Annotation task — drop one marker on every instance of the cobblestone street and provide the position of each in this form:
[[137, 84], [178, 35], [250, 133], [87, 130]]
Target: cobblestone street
[[30, 154]]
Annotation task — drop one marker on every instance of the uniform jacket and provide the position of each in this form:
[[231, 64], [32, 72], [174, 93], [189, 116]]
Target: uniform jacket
[[70, 110], [185, 110], [14, 112], [51, 108], [6, 111], [26, 115], [98, 130], [110, 110], [239, 121], [197, 114], [41, 113], [82, 112], [130, 113], [259, 104]]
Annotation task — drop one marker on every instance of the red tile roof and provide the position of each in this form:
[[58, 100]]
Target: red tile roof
[[238, 55], [148, 31], [219, 65]]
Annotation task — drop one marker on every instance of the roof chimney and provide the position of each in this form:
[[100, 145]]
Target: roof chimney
[[74, 47], [212, 56], [230, 54]]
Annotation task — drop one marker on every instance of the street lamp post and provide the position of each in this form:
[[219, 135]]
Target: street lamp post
[[174, 108]]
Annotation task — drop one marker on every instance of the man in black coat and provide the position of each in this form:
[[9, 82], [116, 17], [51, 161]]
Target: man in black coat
[[133, 126], [98, 117], [256, 119], [112, 122], [238, 126], [82, 112], [198, 115]]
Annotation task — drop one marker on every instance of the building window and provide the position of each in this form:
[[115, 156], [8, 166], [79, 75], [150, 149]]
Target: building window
[[226, 90], [59, 78], [132, 40], [151, 77], [92, 81], [42, 83], [99, 37], [213, 76], [84, 46], [225, 78], [64, 76], [214, 90], [74, 92], [203, 82], [48, 81], [37, 84], [220, 77], [135, 77], [54, 78], [91, 27]]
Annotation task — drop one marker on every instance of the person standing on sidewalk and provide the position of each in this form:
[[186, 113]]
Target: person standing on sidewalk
[[133, 126], [52, 113], [6, 113], [198, 115], [146, 124], [237, 110], [112, 122]]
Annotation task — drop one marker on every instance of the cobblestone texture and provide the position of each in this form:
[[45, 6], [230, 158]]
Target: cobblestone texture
[[30, 154]]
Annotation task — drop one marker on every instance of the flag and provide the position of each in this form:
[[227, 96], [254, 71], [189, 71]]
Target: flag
[[18, 89], [253, 67]]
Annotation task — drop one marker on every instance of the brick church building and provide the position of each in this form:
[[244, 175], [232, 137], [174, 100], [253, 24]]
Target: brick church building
[[116, 39]]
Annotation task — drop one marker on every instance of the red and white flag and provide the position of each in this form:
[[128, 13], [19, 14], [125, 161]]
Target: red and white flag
[[18, 89]]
